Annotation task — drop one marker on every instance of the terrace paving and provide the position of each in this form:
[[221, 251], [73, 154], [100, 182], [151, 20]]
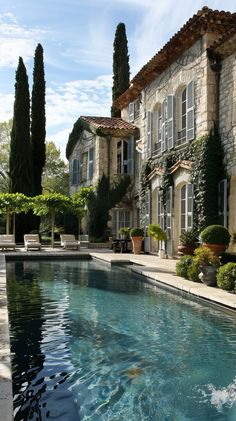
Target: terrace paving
[[157, 272]]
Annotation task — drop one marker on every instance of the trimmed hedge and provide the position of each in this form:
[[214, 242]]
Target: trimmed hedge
[[226, 277], [215, 234]]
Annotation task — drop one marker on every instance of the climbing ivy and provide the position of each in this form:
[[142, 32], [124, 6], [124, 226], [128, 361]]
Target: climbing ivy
[[206, 156]]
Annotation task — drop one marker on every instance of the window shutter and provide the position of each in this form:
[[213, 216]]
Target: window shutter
[[131, 112], [74, 172], [169, 206], [190, 111], [163, 129], [222, 202], [149, 134], [130, 160], [170, 120], [90, 164]]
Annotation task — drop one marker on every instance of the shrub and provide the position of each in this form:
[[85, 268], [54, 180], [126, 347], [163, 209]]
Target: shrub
[[183, 265], [136, 232], [205, 257], [215, 234], [227, 257], [155, 231], [188, 237], [193, 272], [124, 231], [226, 277]]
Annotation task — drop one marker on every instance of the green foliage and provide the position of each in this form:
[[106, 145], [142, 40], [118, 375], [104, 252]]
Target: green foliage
[[226, 277], [45, 203], [56, 171], [136, 232], [193, 272], [155, 231], [21, 171], [188, 237], [124, 231], [38, 120], [13, 203], [182, 266], [101, 200], [215, 234], [205, 257], [78, 127], [121, 69]]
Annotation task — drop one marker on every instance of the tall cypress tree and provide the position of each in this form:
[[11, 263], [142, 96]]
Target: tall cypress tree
[[121, 69], [20, 162], [38, 120]]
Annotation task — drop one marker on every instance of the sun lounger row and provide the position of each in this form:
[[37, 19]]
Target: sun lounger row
[[32, 241]]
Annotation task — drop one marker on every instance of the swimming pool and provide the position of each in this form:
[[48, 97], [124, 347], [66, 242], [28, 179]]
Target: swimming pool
[[90, 342]]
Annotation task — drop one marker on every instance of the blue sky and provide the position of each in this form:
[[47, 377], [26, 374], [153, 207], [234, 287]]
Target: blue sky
[[77, 37]]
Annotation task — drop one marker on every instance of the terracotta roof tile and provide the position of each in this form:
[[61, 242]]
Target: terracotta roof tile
[[109, 123], [206, 20], [226, 43]]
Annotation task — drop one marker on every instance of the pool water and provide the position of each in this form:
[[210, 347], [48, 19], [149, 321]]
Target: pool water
[[90, 342]]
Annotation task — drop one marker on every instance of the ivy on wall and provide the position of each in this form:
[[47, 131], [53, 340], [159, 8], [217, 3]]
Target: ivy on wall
[[206, 155]]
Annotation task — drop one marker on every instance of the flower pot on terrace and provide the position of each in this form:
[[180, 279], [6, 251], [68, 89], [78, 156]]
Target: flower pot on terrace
[[137, 244], [208, 275]]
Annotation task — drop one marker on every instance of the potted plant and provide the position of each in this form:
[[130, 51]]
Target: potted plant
[[207, 263], [136, 235], [216, 238], [124, 232], [155, 231], [188, 241]]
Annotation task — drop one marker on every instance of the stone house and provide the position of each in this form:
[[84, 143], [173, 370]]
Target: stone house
[[186, 89], [106, 145]]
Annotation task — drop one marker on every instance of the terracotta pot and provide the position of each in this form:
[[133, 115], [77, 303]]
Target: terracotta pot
[[217, 249], [184, 249], [137, 244]]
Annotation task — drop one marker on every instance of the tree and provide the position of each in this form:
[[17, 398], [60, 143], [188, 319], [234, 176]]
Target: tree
[[56, 173], [10, 204], [20, 163], [50, 203], [5, 137], [121, 69], [101, 200], [38, 120]]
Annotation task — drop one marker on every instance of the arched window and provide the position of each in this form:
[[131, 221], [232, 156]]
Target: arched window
[[185, 114], [186, 207]]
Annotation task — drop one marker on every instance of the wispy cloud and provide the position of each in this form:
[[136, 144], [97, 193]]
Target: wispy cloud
[[6, 106], [16, 40]]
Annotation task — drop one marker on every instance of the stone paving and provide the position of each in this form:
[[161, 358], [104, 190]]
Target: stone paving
[[157, 271]]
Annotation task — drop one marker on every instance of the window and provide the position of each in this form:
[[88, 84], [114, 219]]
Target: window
[[120, 218], [186, 207], [222, 202], [149, 134], [169, 205], [158, 131], [131, 112], [186, 115], [74, 172], [167, 120], [125, 156]]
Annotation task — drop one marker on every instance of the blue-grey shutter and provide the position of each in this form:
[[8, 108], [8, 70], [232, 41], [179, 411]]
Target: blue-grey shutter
[[169, 206], [170, 120], [190, 112], [149, 133], [222, 202], [163, 129], [74, 172], [90, 163], [131, 112], [130, 159]]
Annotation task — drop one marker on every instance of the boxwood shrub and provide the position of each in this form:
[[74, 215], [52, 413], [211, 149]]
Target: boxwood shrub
[[215, 234], [226, 277], [183, 265]]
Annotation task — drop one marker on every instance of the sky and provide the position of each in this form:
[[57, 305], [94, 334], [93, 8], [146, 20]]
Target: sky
[[77, 37]]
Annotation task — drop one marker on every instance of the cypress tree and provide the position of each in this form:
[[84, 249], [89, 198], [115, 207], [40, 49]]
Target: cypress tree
[[20, 162], [38, 120], [121, 69]]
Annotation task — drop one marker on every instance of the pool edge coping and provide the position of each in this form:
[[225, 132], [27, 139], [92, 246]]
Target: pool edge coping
[[6, 394]]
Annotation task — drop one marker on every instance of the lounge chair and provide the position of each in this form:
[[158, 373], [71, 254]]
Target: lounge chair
[[68, 241], [84, 240], [32, 242], [7, 241]]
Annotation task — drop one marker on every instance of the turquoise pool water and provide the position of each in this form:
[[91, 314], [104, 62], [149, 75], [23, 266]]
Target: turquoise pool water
[[93, 343]]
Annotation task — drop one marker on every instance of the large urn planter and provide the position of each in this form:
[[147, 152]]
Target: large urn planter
[[216, 238], [136, 235], [208, 275], [188, 242]]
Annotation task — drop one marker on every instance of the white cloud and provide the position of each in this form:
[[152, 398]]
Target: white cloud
[[16, 40], [6, 106]]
